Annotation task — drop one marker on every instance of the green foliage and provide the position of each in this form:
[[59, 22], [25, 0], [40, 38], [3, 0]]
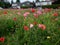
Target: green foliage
[[5, 5], [18, 1], [54, 6], [2, 4], [51, 6], [15, 34], [26, 6]]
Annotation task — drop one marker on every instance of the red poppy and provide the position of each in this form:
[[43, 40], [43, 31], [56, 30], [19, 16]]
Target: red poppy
[[14, 19], [2, 39], [5, 12], [35, 23], [55, 14], [43, 27], [33, 10], [26, 28]]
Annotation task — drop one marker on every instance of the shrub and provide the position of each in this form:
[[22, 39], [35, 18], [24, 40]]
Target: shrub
[[51, 6], [26, 6], [5, 5]]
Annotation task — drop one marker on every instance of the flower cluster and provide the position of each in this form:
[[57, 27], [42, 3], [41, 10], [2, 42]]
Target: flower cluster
[[2, 39]]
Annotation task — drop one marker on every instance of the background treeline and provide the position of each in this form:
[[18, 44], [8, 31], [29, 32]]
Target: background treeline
[[5, 5]]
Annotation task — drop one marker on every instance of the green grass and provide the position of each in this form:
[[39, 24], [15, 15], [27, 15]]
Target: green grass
[[15, 34]]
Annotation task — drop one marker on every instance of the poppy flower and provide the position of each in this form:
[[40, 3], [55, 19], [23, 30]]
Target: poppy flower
[[26, 28], [33, 10], [15, 19], [43, 27], [55, 14], [18, 13], [31, 25], [35, 15], [35, 23], [39, 12], [26, 14], [5, 12], [47, 10], [2, 39]]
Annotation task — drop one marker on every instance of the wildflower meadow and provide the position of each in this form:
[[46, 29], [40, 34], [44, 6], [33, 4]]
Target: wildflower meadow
[[30, 27]]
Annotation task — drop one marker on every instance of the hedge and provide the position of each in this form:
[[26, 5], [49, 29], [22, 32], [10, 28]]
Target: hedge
[[51, 6], [44, 6]]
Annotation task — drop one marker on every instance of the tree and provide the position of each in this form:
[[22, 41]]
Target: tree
[[37, 1], [56, 2], [2, 0], [18, 1], [12, 1]]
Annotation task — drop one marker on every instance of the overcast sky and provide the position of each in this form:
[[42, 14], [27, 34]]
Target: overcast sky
[[22, 0], [25, 0]]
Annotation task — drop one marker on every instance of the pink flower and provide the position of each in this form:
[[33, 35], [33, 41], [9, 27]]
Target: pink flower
[[26, 14], [22, 9], [31, 25], [42, 26], [47, 10], [18, 13], [35, 15], [39, 12]]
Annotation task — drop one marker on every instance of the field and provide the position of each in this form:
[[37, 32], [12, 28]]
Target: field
[[30, 27]]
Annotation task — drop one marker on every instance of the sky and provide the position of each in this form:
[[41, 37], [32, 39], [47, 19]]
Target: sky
[[25, 0], [22, 0]]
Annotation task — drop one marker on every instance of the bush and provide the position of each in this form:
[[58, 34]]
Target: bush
[[51, 6], [26, 6], [54, 6], [17, 31], [5, 5], [2, 4]]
